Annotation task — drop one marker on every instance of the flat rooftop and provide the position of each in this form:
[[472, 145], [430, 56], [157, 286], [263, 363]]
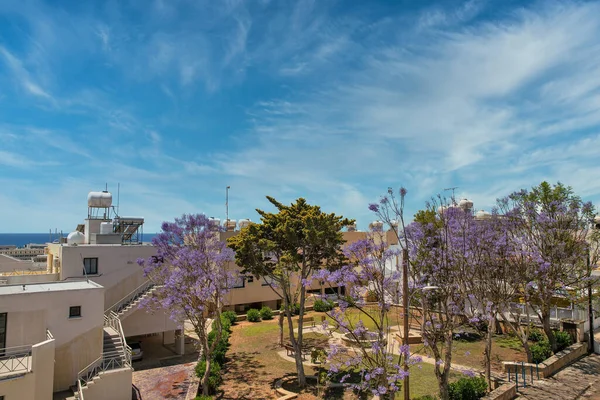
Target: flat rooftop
[[48, 287]]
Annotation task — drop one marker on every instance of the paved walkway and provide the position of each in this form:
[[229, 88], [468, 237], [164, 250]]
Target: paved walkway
[[580, 380], [336, 338]]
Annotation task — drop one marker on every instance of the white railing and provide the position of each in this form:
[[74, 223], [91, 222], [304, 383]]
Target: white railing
[[49, 335], [79, 394], [15, 359], [108, 360], [115, 323], [130, 298]]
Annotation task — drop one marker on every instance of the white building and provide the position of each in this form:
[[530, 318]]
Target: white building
[[64, 326]]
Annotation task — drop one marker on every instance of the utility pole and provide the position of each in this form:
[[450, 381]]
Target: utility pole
[[405, 321], [227, 205], [590, 308]]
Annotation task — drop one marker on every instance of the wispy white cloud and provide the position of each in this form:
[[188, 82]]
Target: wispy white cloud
[[22, 75]]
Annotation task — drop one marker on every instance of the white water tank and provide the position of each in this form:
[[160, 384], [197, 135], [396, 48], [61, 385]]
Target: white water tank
[[481, 214], [99, 199], [230, 225], [394, 224], [465, 204], [76, 238], [106, 228], [442, 209], [597, 220], [351, 227], [376, 226], [242, 223], [214, 222]]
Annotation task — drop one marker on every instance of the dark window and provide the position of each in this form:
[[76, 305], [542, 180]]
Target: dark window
[[249, 279], [74, 312], [239, 283], [90, 266], [267, 281]]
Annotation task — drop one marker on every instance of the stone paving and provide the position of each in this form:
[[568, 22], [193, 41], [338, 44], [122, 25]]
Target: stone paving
[[580, 380]]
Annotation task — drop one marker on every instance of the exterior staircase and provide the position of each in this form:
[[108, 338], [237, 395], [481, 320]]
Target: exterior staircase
[[115, 352], [115, 355], [128, 304]]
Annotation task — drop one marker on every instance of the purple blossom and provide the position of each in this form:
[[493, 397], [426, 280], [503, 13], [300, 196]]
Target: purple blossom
[[374, 207]]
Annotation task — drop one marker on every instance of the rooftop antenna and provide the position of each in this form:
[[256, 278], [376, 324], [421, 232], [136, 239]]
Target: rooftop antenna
[[453, 189], [227, 205]]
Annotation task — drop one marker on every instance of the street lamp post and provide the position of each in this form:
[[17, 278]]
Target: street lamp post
[[590, 308], [227, 206]]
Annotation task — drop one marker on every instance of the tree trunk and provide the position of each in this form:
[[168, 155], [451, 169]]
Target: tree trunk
[[281, 316], [205, 387], [296, 344], [548, 330], [488, 351], [527, 351]]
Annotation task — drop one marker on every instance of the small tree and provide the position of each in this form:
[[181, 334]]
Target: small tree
[[552, 223], [191, 279], [369, 270], [437, 257], [286, 248]]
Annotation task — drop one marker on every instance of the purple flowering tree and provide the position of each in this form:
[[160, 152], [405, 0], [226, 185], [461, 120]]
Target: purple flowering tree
[[552, 224], [369, 270], [437, 244], [489, 281], [189, 270], [285, 249]]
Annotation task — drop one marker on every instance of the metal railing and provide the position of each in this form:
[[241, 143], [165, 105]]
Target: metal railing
[[113, 321], [25, 272], [108, 360], [15, 359], [79, 394], [130, 298], [49, 335]]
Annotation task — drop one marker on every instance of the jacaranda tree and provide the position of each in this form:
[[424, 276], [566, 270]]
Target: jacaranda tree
[[369, 270], [189, 271], [552, 223], [437, 246], [286, 248]]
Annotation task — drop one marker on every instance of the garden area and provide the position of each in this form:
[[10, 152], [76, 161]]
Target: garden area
[[253, 362]]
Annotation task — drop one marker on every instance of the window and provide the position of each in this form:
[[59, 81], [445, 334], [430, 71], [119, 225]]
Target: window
[[267, 280], [239, 282], [90, 266], [250, 279], [74, 312]]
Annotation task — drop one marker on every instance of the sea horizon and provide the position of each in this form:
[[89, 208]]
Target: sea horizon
[[22, 239]]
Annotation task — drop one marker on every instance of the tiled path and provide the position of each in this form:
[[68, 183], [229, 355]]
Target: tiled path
[[581, 380], [170, 382]]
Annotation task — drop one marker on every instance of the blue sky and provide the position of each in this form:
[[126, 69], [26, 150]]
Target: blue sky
[[333, 101]]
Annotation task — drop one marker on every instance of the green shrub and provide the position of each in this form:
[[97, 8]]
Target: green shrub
[[253, 315], [225, 324], [202, 397], [425, 397], [467, 388], [563, 340], [230, 315], [323, 305], [266, 313], [536, 335], [540, 351], [214, 378], [221, 348]]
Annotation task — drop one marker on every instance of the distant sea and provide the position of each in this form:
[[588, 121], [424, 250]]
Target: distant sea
[[21, 239]]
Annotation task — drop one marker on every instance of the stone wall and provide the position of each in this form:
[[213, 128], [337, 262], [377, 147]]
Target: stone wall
[[507, 391], [550, 366]]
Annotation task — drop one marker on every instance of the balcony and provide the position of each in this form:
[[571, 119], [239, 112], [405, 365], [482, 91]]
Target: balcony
[[15, 361]]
